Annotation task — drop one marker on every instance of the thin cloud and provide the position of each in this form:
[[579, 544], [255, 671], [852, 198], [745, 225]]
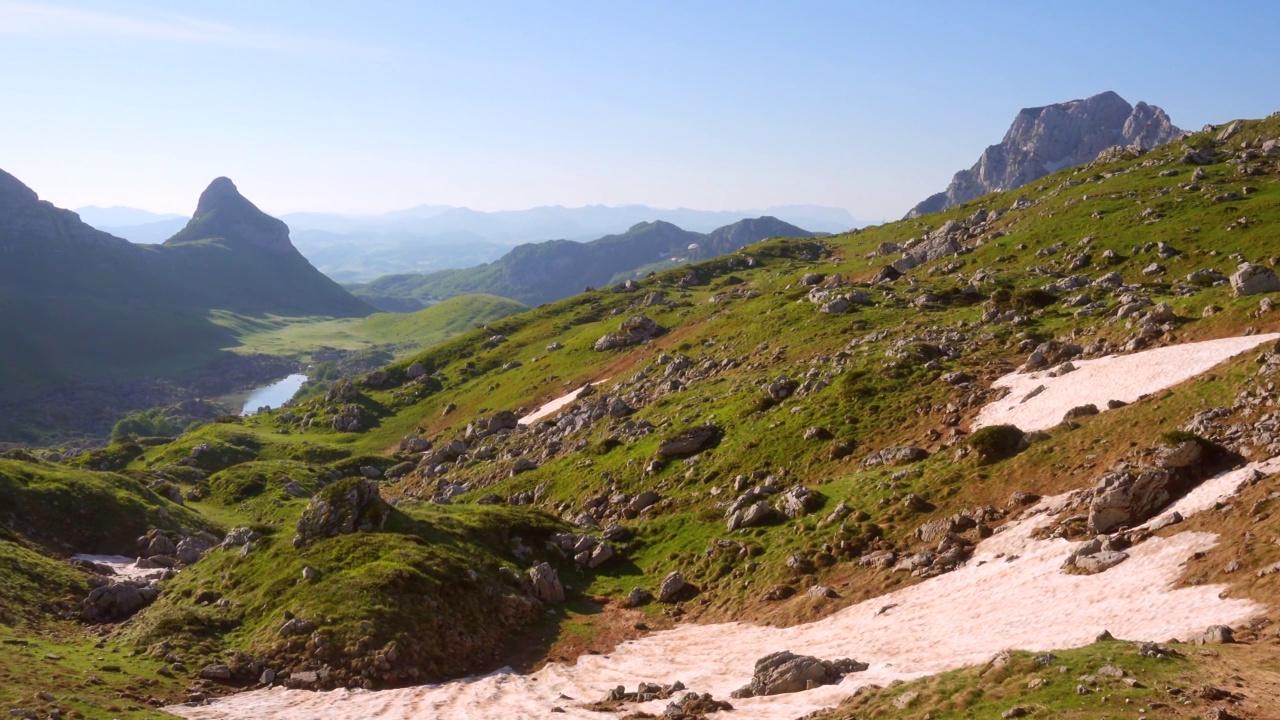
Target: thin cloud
[[28, 19]]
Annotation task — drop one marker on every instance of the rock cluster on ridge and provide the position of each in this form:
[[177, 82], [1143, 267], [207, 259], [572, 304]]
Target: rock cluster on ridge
[[1044, 140]]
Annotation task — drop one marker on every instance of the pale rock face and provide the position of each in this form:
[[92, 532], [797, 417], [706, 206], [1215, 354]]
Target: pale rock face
[[1047, 139]]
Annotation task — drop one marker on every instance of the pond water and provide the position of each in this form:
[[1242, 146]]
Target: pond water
[[273, 395]]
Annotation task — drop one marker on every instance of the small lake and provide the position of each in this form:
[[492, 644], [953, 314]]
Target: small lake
[[273, 395]]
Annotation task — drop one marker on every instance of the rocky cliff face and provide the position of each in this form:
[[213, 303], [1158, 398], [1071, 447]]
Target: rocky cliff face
[[1046, 139], [25, 220]]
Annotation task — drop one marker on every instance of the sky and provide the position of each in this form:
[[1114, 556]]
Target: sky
[[364, 107]]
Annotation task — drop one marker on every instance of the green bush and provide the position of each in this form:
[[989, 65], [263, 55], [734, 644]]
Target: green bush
[[1033, 299], [997, 442], [1173, 438]]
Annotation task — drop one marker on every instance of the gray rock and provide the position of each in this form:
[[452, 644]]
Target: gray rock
[[523, 465], [798, 501], [638, 597], [117, 600], [672, 587], [1253, 280], [1105, 560], [635, 330], [296, 626], [350, 506], [545, 584], [906, 699], [1216, 635], [750, 516], [220, 673], [414, 444], [786, 672], [690, 442], [895, 455]]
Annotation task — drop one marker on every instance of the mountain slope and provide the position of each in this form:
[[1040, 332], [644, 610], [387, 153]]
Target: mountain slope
[[80, 305], [542, 272], [1046, 139], [794, 430]]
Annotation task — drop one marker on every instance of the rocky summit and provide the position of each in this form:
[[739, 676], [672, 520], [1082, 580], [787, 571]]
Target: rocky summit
[[224, 213], [1043, 140]]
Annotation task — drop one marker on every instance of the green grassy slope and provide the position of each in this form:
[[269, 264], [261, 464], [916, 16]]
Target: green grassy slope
[[873, 379]]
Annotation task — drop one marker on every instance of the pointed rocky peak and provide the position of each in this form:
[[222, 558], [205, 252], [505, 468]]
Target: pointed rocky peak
[[225, 214], [222, 194], [1044, 140]]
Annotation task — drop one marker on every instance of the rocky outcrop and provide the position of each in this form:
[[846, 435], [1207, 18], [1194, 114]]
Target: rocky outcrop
[[112, 601], [544, 584], [635, 330], [786, 672], [1254, 280], [1129, 495], [690, 442], [348, 506], [1043, 140]]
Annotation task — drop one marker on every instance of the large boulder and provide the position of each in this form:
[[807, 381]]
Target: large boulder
[[634, 330], [1125, 499], [1129, 495], [347, 506], [690, 442], [673, 587], [544, 584], [798, 501], [938, 244], [786, 672], [118, 600], [895, 455], [1253, 280]]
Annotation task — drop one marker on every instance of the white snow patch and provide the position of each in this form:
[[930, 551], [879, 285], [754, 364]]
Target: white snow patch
[[1115, 377], [126, 568], [1011, 594], [555, 405]]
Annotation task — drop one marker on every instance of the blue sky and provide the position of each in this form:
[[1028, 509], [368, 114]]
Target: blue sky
[[370, 106]]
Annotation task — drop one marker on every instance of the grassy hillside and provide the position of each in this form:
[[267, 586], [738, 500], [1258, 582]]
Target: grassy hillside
[[788, 393]]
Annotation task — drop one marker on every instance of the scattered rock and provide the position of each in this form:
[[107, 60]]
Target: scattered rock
[[635, 330], [786, 672], [895, 455], [690, 442], [348, 506], [545, 584], [1216, 635], [673, 586]]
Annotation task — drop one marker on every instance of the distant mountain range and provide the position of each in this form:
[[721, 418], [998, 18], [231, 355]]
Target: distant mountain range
[[77, 303], [1044, 140], [437, 237], [536, 273]]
